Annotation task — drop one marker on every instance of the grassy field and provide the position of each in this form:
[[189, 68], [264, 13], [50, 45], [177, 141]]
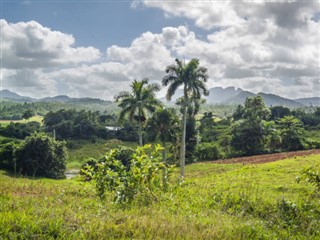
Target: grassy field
[[217, 201], [79, 151], [36, 118]]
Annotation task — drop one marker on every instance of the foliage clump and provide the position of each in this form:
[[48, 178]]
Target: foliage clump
[[208, 151], [143, 178], [312, 176], [41, 155]]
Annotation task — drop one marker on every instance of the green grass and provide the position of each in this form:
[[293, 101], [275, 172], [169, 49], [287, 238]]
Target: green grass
[[36, 118], [79, 151], [215, 202]]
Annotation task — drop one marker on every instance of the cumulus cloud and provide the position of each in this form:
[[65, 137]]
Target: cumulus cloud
[[30, 82], [257, 46], [31, 45]]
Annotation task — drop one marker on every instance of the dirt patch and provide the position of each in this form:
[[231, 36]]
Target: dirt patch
[[266, 158]]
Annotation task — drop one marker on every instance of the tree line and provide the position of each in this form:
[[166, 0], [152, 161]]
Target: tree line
[[253, 128]]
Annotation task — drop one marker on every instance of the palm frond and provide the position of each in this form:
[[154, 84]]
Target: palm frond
[[121, 95]]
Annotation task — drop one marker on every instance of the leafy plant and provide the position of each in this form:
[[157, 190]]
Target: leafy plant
[[311, 175], [208, 151], [145, 179]]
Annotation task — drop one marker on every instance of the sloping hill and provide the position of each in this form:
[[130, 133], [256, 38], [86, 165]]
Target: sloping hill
[[275, 100], [314, 101], [267, 157], [14, 96], [239, 98], [219, 94]]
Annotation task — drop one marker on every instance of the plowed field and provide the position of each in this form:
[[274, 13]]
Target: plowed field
[[267, 157]]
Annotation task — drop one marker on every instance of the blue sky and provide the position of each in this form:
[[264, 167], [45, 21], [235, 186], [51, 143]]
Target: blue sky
[[97, 23], [96, 48]]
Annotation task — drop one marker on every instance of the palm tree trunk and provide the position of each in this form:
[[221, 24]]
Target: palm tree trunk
[[140, 132], [183, 141], [164, 155]]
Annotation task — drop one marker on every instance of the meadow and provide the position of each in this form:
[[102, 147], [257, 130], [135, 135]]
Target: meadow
[[80, 151], [216, 201], [35, 118]]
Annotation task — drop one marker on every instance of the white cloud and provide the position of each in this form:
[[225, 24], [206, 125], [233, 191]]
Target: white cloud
[[206, 14], [248, 45], [30, 45]]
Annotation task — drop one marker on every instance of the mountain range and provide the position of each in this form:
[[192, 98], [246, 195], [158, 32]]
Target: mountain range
[[235, 96], [217, 95], [6, 94]]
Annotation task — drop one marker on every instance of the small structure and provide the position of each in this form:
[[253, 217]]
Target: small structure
[[112, 128]]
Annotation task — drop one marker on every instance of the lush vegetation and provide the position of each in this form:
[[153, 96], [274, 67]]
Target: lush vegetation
[[15, 110], [37, 155], [215, 202], [126, 191]]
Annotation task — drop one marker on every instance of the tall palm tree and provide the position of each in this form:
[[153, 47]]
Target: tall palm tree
[[193, 78], [138, 102]]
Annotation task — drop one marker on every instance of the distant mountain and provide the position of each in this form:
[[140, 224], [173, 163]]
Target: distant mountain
[[219, 94], [233, 96], [14, 96], [314, 101], [275, 100], [239, 98], [6, 94], [269, 99], [59, 98]]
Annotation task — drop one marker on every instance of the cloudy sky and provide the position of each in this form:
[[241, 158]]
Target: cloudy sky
[[96, 48]]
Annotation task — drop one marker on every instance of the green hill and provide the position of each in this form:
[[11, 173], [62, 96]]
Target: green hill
[[217, 201]]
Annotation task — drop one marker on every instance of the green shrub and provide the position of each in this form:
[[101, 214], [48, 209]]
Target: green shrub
[[7, 156], [208, 151], [121, 153], [144, 180], [312, 143], [41, 155], [311, 175]]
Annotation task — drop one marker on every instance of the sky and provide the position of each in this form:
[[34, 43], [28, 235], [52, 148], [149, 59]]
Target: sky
[[97, 48]]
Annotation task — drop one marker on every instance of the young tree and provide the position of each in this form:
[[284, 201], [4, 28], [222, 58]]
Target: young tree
[[248, 134], [164, 123], [138, 102], [291, 131], [41, 155], [193, 78]]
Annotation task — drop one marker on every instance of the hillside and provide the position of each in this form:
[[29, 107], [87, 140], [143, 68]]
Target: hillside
[[315, 101], [217, 201]]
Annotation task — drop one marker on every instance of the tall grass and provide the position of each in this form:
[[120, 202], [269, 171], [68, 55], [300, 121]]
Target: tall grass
[[215, 202]]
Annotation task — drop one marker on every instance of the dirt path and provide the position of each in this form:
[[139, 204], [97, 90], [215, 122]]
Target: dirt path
[[265, 158]]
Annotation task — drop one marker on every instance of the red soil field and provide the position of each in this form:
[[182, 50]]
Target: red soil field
[[266, 158]]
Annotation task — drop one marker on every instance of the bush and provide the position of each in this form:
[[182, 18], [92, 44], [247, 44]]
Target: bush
[[145, 179], [20, 130], [7, 156], [121, 153], [311, 143], [41, 155], [208, 151]]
